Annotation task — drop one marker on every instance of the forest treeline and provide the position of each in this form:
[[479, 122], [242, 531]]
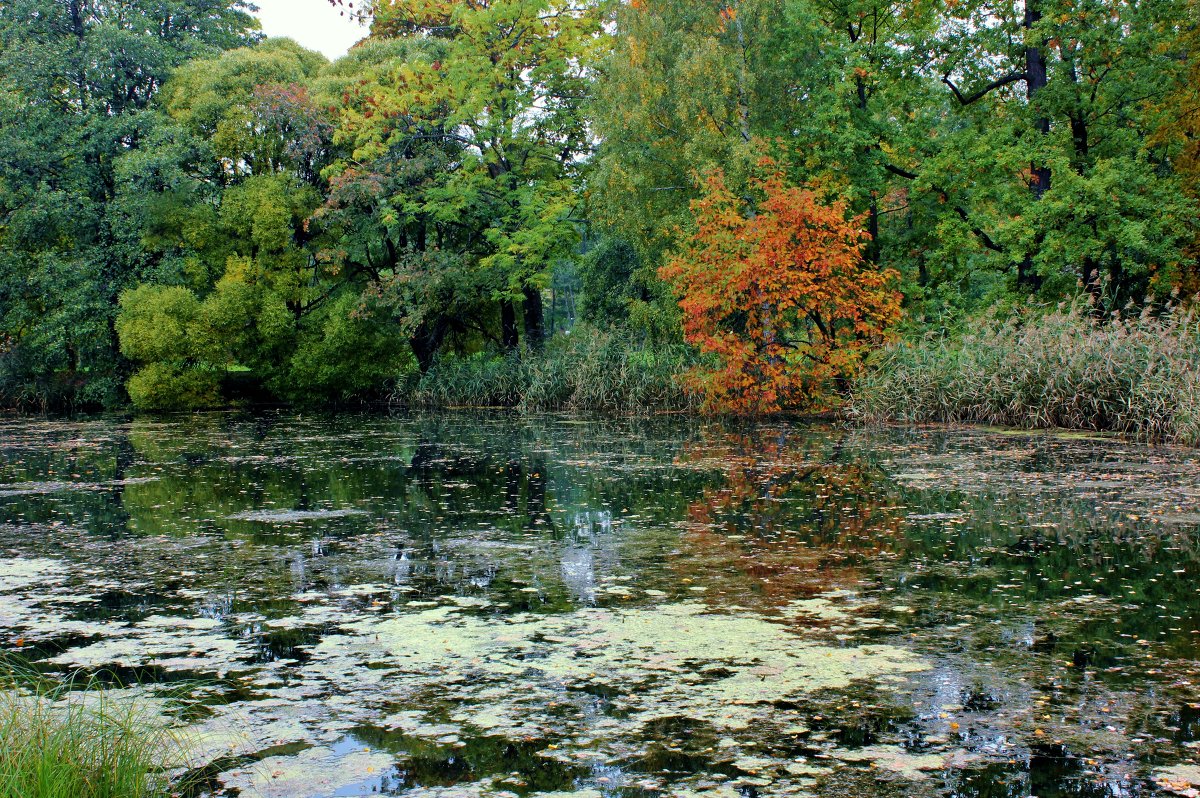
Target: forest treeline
[[598, 204]]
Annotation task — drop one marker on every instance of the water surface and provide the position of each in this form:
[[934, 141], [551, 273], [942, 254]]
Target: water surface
[[466, 605]]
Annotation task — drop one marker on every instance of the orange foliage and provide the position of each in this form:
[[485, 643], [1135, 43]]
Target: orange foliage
[[780, 296]]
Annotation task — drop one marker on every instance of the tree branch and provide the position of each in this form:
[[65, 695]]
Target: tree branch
[[995, 84], [983, 237], [981, 234], [899, 172]]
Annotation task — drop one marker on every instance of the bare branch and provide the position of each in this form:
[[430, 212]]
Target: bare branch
[[995, 84]]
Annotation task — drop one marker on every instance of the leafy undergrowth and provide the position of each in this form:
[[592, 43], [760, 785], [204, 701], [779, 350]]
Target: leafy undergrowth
[[1138, 376], [78, 738], [589, 371]]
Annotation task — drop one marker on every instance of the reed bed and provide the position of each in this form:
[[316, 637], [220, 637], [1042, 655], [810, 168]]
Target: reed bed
[[1138, 375], [593, 371]]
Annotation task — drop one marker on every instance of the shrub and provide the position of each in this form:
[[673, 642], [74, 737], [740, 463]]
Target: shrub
[[341, 356], [167, 386], [1135, 375]]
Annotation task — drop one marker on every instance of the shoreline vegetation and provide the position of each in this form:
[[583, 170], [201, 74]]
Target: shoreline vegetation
[[597, 372], [79, 737], [633, 207], [1026, 369], [1136, 376]]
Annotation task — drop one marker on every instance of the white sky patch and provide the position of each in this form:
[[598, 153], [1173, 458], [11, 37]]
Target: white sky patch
[[315, 24]]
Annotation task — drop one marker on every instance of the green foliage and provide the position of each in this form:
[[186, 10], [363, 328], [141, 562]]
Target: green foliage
[[1051, 156], [182, 200], [590, 370], [462, 147], [77, 739], [169, 386], [992, 151], [618, 289], [77, 82], [158, 323], [250, 104], [1134, 375], [344, 354], [167, 328]]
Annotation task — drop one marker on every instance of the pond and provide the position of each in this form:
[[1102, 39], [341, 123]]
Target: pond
[[478, 605]]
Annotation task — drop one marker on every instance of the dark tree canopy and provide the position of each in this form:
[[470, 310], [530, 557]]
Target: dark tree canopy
[[189, 212]]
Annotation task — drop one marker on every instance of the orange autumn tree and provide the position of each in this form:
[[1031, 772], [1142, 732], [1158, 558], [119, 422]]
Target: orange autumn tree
[[775, 290]]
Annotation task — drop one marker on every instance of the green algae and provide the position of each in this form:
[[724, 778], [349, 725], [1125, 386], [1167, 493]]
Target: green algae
[[21, 574], [504, 603], [288, 516], [653, 651], [895, 760], [314, 771]]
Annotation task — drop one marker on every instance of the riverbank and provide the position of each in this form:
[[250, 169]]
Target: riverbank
[[1136, 377], [78, 736]]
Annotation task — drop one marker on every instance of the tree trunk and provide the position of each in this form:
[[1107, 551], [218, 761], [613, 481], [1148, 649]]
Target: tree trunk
[[508, 325], [75, 12], [743, 89], [1036, 79], [872, 252], [425, 343], [534, 324]]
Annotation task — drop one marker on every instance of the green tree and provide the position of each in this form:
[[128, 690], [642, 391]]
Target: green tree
[[77, 79], [1048, 160], [464, 143], [688, 87], [227, 202]]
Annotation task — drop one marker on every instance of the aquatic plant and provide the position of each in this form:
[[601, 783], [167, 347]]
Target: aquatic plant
[[1137, 375], [587, 371], [78, 738]]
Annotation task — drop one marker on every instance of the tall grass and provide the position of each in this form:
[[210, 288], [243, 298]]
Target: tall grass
[[1136, 375], [589, 371], [79, 739]]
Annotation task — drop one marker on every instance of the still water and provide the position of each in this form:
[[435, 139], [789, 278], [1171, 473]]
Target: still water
[[471, 605]]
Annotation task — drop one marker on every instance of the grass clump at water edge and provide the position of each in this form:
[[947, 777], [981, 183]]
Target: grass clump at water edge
[[590, 371], [78, 738], [1135, 375]]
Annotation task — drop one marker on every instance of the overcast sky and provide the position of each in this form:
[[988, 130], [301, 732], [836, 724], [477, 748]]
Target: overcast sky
[[313, 23]]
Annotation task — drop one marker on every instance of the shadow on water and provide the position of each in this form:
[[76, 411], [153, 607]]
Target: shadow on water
[[1049, 772], [429, 763]]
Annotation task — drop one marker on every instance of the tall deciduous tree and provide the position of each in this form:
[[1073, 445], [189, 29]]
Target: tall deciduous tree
[[1050, 152], [226, 201], [77, 78], [494, 105]]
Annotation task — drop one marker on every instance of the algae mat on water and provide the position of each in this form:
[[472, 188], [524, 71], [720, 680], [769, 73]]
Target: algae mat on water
[[493, 607], [529, 678]]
